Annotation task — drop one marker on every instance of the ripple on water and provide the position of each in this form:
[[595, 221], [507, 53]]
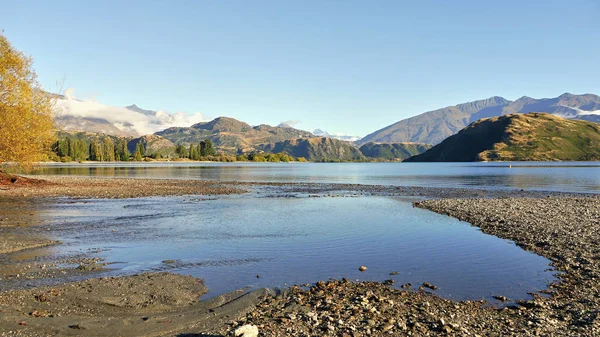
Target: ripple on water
[[231, 240]]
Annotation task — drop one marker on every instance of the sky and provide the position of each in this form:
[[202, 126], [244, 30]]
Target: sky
[[348, 67]]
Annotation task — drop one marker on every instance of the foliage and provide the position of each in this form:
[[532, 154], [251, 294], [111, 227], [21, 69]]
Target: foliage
[[140, 151], [395, 151], [26, 123], [318, 149]]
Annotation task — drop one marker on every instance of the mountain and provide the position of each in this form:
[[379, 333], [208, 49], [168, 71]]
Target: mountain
[[394, 151], [231, 135], [519, 137], [434, 126], [321, 149], [154, 145], [346, 138], [72, 114]]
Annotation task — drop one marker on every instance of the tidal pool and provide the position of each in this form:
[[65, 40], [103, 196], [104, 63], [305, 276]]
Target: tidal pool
[[242, 241]]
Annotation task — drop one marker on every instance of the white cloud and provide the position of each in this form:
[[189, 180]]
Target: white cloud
[[129, 121], [291, 123]]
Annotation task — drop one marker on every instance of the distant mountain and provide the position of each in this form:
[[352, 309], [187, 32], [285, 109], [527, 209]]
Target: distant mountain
[[394, 151], [231, 135], [434, 126], [321, 149], [92, 116], [346, 138], [519, 137]]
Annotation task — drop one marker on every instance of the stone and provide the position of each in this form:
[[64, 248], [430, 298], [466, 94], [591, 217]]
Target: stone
[[362, 268], [247, 330]]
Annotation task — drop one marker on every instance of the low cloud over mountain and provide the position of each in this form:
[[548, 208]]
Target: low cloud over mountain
[[91, 115]]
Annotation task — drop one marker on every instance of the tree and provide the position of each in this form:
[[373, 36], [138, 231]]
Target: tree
[[138, 155], [121, 151], [181, 151], [194, 155], [26, 125], [210, 148], [202, 147], [95, 151], [108, 148]]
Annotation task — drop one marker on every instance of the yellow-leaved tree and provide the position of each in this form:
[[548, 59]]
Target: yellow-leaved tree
[[26, 124]]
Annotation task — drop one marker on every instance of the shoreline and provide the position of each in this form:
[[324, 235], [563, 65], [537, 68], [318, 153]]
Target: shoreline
[[558, 226]]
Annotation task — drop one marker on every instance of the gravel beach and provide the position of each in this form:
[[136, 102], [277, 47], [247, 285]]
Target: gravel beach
[[560, 227]]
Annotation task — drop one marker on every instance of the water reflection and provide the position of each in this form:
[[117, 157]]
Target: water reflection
[[571, 177], [229, 240]]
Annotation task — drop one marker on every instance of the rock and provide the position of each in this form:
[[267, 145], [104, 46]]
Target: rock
[[362, 268], [394, 273], [429, 285], [500, 298], [246, 331]]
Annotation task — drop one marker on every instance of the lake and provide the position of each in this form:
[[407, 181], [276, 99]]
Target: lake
[[555, 176], [256, 241]]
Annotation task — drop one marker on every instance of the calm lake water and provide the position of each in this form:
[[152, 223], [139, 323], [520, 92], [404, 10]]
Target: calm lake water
[[567, 177], [229, 240]]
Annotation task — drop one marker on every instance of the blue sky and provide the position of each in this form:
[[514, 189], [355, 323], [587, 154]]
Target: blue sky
[[343, 66]]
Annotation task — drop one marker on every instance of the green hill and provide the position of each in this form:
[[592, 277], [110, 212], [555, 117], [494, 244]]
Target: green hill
[[317, 149], [519, 137], [394, 151]]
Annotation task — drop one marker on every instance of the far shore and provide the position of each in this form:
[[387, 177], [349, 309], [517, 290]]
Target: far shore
[[559, 226]]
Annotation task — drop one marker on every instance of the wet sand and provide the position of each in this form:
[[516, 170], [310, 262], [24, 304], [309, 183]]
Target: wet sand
[[563, 228]]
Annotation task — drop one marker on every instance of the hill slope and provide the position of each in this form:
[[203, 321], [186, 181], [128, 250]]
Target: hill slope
[[231, 135], [519, 137], [317, 149], [394, 151], [434, 126]]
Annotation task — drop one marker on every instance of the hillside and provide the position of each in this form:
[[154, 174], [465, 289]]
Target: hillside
[[519, 137], [154, 145], [434, 126], [317, 149], [394, 151], [231, 135]]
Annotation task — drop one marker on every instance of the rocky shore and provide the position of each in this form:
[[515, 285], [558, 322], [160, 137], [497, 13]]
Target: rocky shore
[[563, 229], [560, 227]]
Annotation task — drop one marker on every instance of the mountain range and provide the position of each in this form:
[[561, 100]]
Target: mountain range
[[519, 137], [163, 131], [432, 127]]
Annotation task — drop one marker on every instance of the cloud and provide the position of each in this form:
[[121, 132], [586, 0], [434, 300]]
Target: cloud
[[291, 123], [128, 121]]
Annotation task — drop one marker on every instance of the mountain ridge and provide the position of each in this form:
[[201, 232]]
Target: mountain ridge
[[533, 136], [434, 126]]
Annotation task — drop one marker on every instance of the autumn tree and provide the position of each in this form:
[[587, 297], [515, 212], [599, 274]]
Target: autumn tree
[[108, 148], [26, 125], [95, 151]]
